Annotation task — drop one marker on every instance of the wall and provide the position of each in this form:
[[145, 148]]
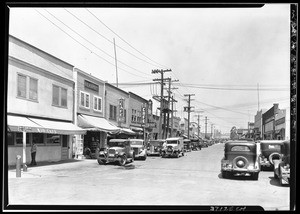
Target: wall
[[135, 102], [113, 94], [81, 77]]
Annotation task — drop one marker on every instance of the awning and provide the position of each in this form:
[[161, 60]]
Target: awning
[[136, 129], [57, 127], [96, 123], [32, 125], [18, 124], [127, 131]]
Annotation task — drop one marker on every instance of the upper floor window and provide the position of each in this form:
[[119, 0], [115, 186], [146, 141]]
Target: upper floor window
[[97, 103], [59, 96], [27, 87], [112, 112], [84, 99]]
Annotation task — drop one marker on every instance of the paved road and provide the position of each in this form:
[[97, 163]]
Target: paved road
[[193, 179]]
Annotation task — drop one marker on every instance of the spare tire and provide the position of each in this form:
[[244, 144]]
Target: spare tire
[[274, 156], [240, 162]]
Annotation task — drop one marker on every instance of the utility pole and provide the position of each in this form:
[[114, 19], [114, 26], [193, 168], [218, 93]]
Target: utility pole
[[169, 100], [199, 122], [205, 126], [116, 64], [172, 116], [211, 130], [189, 110], [161, 97]]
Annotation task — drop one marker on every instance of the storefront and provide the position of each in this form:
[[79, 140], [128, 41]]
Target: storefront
[[53, 138], [97, 131]]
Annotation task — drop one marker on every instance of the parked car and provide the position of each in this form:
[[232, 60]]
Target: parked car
[[195, 144], [118, 150], [174, 147], [139, 148], [240, 158], [282, 166], [187, 145], [270, 150], [155, 147]]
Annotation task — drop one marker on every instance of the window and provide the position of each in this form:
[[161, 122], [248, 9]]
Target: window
[[10, 138], [240, 148], [53, 139], [97, 103], [59, 96], [84, 99], [27, 92], [38, 138], [19, 138], [112, 112], [21, 86]]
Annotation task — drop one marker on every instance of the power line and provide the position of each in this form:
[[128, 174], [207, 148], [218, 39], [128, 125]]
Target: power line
[[125, 40], [84, 45]]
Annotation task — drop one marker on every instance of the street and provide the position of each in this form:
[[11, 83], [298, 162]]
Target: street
[[193, 179]]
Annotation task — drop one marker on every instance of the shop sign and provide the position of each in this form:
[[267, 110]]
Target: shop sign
[[24, 128], [121, 110], [91, 86], [280, 121], [49, 131]]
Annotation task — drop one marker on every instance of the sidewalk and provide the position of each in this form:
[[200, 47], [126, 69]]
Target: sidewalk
[[46, 168]]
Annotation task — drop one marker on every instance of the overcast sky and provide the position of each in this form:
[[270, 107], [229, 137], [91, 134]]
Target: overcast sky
[[220, 55]]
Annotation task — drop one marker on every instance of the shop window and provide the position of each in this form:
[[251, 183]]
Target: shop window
[[10, 138], [97, 103], [38, 138], [19, 138], [24, 91], [53, 139], [59, 96], [112, 112], [84, 99]]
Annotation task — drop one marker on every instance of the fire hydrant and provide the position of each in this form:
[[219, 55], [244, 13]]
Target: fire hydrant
[[18, 166]]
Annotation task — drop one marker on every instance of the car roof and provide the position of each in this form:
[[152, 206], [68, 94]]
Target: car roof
[[135, 139], [272, 141], [118, 140], [174, 138], [240, 142]]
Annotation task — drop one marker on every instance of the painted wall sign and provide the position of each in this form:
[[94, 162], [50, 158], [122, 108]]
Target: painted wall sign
[[91, 86]]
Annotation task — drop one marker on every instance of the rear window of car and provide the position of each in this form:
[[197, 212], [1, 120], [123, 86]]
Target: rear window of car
[[240, 149], [272, 146]]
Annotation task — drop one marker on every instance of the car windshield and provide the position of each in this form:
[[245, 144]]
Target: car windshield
[[154, 143], [172, 142], [138, 143], [118, 144], [240, 148]]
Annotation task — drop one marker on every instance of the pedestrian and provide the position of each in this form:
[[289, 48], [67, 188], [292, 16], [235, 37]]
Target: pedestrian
[[33, 153]]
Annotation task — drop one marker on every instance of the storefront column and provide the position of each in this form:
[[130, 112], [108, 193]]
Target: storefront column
[[24, 152]]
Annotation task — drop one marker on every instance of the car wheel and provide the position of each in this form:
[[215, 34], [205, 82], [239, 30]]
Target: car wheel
[[224, 174], [177, 155], [274, 156], [182, 153], [275, 175], [145, 157], [123, 160], [255, 176], [101, 161]]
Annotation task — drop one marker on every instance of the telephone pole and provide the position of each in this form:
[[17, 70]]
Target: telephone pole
[[161, 97], [116, 64], [198, 116], [189, 110], [211, 130], [205, 126], [169, 100]]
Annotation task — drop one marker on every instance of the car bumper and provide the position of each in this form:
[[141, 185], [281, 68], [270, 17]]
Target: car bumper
[[110, 159], [238, 170], [153, 153]]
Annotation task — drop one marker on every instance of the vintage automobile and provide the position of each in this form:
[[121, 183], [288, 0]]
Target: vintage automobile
[[282, 166], [195, 144], [187, 145], [139, 148], [117, 150], [154, 147], [174, 147], [240, 158], [270, 150]]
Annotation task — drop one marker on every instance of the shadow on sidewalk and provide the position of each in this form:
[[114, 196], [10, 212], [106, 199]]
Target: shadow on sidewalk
[[47, 163]]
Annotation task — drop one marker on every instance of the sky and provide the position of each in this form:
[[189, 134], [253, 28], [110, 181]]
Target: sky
[[235, 61]]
